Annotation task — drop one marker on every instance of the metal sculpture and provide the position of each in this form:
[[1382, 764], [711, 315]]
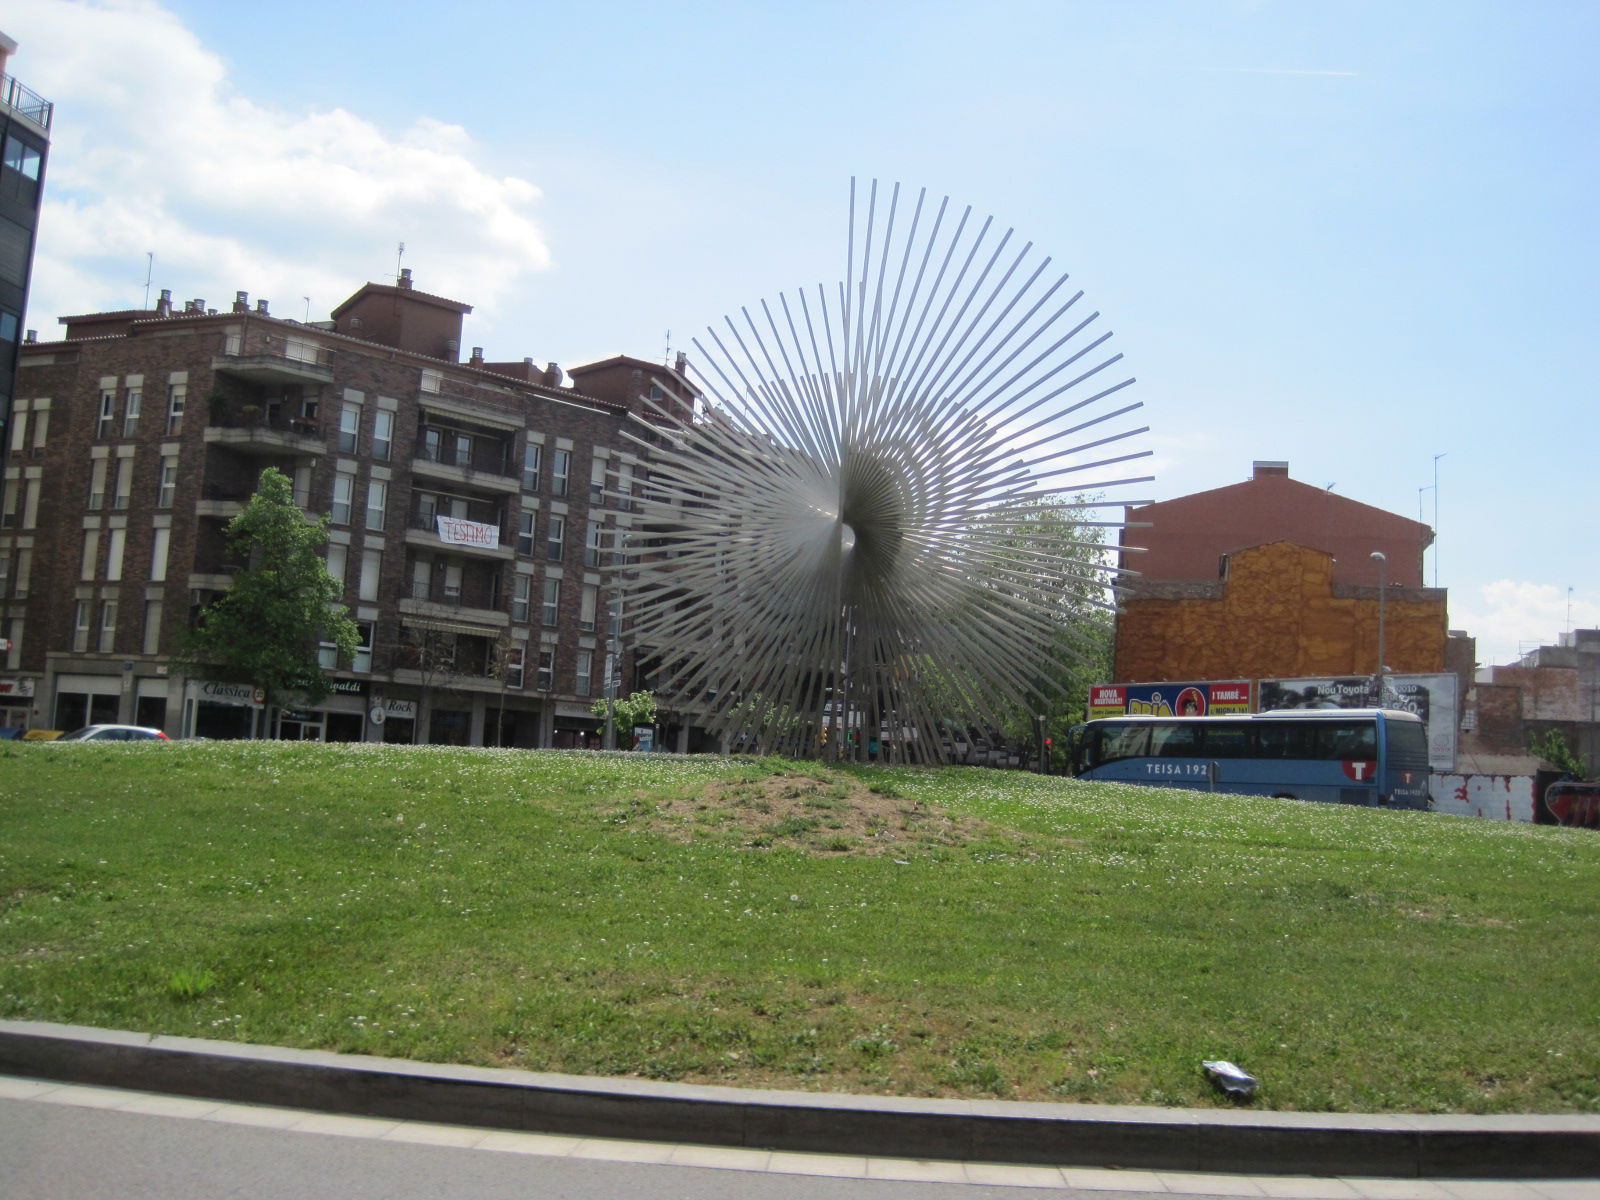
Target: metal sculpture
[[844, 541]]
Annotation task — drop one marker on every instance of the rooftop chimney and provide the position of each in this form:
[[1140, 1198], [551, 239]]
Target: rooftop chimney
[[1261, 469], [164, 305], [405, 278], [241, 302], [261, 307], [681, 363]]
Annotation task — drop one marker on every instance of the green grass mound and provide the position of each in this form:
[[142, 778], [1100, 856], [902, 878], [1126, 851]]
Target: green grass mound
[[950, 932]]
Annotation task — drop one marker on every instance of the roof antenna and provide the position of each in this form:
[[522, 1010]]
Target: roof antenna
[[667, 357], [149, 269], [398, 255]]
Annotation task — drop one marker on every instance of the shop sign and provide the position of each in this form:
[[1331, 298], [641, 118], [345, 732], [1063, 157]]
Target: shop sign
[[349, 687], [1170, 699], [229, 693], [401, 710], [16, 687], [454, 531]]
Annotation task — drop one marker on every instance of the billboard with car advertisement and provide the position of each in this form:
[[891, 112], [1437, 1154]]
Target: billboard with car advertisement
[[1431, 697]]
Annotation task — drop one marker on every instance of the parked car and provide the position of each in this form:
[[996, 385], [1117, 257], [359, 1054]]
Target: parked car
[[114, 733]]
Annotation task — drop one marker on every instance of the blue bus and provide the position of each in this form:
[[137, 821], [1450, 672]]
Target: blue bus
[[1369, 756]]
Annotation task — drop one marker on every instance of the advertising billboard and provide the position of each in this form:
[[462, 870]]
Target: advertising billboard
[[1431, 697], [1170, 699]]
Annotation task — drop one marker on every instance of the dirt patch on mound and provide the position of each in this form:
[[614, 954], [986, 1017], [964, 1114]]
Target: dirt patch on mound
[[832, 814]]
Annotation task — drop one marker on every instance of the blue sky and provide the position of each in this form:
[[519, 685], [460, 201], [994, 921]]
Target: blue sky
[[1349, 235]]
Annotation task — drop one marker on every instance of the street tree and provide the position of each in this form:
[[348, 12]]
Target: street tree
[[267, 629]]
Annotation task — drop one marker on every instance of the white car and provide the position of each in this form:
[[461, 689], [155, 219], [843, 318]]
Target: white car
[[114, 733]]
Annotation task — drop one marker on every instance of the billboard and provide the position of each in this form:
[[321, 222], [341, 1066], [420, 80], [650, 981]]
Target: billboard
[[1170, 699], [1431, 697]]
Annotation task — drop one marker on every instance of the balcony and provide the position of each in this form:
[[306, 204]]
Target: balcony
[[484, 466], [466, 611], [25, 103], [253, 428], [295, 364], [423, 533]]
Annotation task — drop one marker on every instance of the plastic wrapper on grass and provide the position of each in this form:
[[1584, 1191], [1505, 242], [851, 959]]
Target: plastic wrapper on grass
[[1230, 1079]]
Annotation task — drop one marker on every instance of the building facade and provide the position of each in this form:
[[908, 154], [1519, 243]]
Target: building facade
[[474, 508], [1273, 578]]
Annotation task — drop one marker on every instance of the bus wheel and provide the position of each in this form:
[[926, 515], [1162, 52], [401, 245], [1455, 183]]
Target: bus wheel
[[1283, 796]]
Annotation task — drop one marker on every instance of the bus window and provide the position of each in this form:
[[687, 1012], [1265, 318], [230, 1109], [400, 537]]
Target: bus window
[[1286, 739], [1227, 741], [1342, 741], [1119, 741], [1175, 741]]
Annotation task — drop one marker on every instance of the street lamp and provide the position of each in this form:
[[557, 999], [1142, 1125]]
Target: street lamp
[[1382, 560]]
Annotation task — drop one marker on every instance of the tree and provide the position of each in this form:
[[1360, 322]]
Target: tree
[[637, 709], [1553, 748], [267, 629]]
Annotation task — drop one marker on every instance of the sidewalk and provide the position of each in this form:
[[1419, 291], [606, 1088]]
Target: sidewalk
[[980, 1131]]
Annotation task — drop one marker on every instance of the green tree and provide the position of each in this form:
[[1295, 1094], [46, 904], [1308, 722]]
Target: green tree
[[1553, 748], [267, 628], [637, 709]]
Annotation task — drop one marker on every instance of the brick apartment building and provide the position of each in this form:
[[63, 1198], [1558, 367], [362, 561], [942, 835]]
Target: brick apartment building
[[473, 506]]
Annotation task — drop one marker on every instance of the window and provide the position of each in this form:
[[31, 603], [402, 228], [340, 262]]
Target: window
[[108, 626], [132, 405], [532, 455], [338, 564], [597, 481], [555, 538], [344, 490], [8, 514], [301, 486], [382, 435], [432, 380], [19, 430], [80, 626], [24, 569], [301, 350], [363, 659], [108, 409], [525, 531], [177, 397], [432, 444], [560, 469], [41, 429], [5, 572], [116, 544], [121, 493], [91, 554], [463, 456], [583, 684], [452, 582], [521, 597], [349, 428], [377, 500], [97, 483], [151, 640], [547, 670], [160, 543], [591, 547], [587, 605], [625, 486], [168, 489], [552, 601], [371, 572], [30, 504], [421, 578]]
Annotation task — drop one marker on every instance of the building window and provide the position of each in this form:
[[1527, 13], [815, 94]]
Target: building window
[[338, 564], [532, 456], [97, 482], [151, 643], [432, 445], [349, 428], [583, 684], [24, 570], [597, 481], [344, 490], [8, 513], [132, 405], [560, 469], [5, 572], [552, 602], [421, 578], [521, 598], [168, 489], [122, 492], [382, 435], [377, 500], [591, 548], [525, 531], [41, 427], [432, 380], [91, 553], [116, 544], [108, 626], [371, 571], [19, 429], [555, 538], [363, 660], [588, 604], [452, 583], [547, 670], [108, 411], [160, 543], [177, 397], [80, 626]]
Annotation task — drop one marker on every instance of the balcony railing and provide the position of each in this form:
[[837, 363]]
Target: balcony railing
[[26, 103], [463, 596], [229, 413], [481, 459]]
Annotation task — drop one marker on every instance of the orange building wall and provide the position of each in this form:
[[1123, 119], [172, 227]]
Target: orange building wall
[[1278, 615]]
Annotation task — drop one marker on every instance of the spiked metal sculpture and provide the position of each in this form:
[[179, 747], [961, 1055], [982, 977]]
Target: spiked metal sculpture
[[845, 539]]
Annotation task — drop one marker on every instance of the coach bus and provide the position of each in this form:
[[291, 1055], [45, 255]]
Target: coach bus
[[1367, 756]]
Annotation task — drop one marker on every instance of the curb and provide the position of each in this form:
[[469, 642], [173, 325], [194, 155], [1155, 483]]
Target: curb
[[1079, 1135]]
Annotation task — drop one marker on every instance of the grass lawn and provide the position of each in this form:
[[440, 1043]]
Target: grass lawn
[[923, 932]]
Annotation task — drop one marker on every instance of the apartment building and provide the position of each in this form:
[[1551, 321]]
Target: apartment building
[[474, 509]]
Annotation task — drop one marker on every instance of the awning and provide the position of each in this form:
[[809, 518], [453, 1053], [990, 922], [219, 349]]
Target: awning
[[435, 623]]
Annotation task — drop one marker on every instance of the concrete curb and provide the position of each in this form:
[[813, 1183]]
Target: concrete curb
[[1084, 1135]]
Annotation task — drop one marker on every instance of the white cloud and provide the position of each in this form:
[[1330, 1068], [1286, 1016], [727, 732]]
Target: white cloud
[[153, 151], [1511, 617]]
